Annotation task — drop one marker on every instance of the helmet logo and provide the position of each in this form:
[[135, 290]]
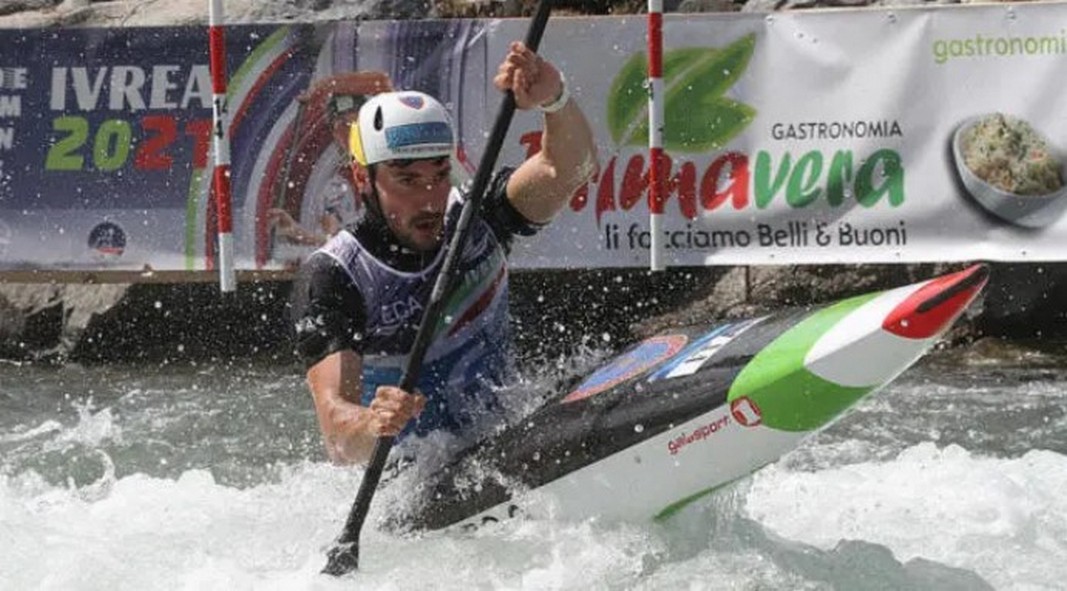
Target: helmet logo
[[417, 137], [412, 100]]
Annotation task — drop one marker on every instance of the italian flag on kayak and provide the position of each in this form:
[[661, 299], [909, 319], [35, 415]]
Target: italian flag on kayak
[[821, 366]]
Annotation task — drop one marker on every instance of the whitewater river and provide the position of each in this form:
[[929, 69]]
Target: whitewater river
[[212, 477]]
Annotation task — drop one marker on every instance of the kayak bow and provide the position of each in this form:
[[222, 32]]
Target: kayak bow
[[684, 413]]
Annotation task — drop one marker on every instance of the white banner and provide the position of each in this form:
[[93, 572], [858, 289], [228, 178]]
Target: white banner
[[820, 137]]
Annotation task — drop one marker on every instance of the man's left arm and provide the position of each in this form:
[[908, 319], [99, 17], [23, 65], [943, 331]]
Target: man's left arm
[[545, 182]]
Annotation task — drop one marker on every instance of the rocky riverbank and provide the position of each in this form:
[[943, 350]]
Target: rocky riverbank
[[553, 311]]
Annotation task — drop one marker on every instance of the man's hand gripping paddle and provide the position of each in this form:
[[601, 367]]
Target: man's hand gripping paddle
[[343, 558]]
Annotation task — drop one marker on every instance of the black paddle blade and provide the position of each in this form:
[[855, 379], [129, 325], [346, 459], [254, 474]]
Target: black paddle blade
[[342, 559]]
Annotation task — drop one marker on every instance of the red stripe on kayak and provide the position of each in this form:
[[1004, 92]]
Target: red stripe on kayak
[[935, 305]]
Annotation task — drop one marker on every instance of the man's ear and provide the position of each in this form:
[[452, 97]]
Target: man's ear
[[362, 179]]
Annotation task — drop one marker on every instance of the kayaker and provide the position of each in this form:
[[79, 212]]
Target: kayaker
[[359, 298]]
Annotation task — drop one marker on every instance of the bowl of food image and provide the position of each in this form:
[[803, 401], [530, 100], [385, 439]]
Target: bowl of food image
[[1010, 169]]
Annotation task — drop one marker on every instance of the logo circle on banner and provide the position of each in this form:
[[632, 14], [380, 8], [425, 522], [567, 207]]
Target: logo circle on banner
[[107, 240], [634, 362], [746, 412]]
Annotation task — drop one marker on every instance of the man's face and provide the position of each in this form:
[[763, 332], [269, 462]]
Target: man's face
[[413, 195]]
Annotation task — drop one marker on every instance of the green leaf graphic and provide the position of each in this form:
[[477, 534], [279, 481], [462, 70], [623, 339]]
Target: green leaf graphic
[[698, 128], [697, 118], [713, 72], [628, 97]]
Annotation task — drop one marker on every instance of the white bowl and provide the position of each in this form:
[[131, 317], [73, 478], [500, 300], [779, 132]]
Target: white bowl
[[1031, 211]]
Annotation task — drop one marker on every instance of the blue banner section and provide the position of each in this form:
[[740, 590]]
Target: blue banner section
[[108, 132], [106, 137], [114, 118]]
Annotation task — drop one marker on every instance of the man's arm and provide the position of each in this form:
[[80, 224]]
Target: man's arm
[[335, 384], [544, 183], [350, 429], [293, 231]]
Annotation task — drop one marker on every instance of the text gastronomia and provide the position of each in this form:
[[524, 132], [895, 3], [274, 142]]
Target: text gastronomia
[[835, 130]]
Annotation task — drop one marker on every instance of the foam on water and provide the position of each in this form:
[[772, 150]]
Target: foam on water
[[19, 435], [216, 480], [1004, 519]]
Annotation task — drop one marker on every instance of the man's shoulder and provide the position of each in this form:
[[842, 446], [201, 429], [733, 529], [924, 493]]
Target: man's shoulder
[[342, 248], [333, 258]]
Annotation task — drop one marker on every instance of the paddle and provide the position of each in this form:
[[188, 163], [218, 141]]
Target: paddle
[[343, 558]]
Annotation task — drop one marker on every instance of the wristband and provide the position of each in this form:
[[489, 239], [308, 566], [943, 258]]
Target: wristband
[[560, 101]]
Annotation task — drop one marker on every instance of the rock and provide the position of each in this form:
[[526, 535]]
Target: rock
[[1026, 300], [13, 6], [782, 5], [188, 322], [555, 312], [88, 13], [706, 6], [46, 321]]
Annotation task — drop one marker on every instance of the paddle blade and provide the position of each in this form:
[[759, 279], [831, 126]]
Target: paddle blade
[[342, 559]]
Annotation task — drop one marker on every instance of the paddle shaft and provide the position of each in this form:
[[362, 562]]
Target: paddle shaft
[[344, 556]]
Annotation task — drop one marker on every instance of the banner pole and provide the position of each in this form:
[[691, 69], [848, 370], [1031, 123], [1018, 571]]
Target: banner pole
[[221, 177], [655, 136]]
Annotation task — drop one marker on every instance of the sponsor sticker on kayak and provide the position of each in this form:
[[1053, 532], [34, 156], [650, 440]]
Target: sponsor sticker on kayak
[[633, 363], [745, 412], [703, 349], [699, 434]]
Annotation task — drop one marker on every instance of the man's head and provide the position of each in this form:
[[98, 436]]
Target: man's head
[[402, 145]]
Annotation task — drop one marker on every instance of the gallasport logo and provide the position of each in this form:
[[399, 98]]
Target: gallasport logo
[[698, 434]]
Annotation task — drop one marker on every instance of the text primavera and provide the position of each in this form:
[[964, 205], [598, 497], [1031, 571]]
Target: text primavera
[[835, 130]]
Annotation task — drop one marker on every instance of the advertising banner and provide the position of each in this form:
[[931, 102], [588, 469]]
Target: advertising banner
[[822, 137], [926, 134]]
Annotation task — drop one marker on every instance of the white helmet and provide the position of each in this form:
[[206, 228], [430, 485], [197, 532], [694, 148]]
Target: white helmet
[[401, 125]]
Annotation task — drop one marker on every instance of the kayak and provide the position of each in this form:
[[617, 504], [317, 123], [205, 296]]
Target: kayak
[[686, 412]]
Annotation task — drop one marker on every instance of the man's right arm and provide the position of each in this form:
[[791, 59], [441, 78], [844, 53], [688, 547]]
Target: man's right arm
[[348, 428], [335, 383], [328, 313]]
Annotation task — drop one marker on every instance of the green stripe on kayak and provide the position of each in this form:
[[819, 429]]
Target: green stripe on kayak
[[679, 505], [789, 397]]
